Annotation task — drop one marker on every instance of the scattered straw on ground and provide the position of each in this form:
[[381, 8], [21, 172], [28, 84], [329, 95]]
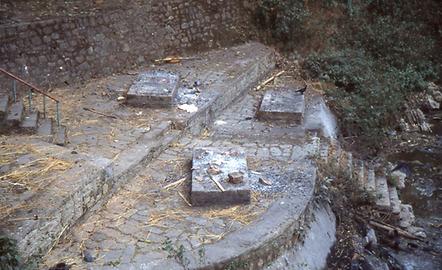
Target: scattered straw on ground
[[30, 176], [10, 152], [242, 214], [33, 174]]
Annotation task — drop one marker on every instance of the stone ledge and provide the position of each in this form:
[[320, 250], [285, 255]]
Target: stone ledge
[[258, 244], [82, 192]]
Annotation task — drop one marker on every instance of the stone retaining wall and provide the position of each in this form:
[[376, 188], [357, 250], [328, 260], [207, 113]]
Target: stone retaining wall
[[72, 49]]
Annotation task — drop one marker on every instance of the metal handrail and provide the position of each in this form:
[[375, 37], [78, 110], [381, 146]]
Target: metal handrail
[[33, 88]]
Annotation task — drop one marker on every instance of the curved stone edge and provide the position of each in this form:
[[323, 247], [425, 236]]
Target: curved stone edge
[[313, 251], [258, 244], [101, 177]]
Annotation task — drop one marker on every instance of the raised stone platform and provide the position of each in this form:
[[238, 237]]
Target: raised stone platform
[[153, 89], [211, 170], [282, 104], [124, 143]]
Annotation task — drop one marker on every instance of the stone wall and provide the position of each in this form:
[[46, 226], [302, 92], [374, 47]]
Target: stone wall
[[72, 49]]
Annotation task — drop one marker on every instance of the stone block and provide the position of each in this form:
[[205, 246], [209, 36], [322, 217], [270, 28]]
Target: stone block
[[282, 104], [4, 101], [211, 165], [15, 114], [153, 89]]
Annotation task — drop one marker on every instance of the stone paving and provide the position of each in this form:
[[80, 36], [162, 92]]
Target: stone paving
[[104, 136], [150, 222], [145, 223], [110, 141]]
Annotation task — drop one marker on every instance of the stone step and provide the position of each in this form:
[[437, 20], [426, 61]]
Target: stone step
[[315, 146], [15, 114], [154, 89], [382, 194], [282, 104], [406, 216], [394, 200], [30, 122], [334, 151], [323, 152], [349, 164], [60, 135], [4, 102], [370, 184], [360, 173], [45, 127]]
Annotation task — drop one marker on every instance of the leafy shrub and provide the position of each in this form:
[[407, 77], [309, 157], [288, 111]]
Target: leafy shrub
[[284, 18], [9, 257], [383, 52], [368, 95]]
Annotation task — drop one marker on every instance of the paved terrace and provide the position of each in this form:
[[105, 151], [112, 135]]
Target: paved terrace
[[109, 196]]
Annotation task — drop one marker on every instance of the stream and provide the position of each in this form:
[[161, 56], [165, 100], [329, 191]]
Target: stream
[[424, 192]]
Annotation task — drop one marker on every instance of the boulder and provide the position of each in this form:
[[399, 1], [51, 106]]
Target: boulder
[[437, 95], [406, 218], [430, 104]]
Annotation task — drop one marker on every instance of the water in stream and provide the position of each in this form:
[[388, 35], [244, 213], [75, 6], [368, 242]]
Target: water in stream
[[424, 192]]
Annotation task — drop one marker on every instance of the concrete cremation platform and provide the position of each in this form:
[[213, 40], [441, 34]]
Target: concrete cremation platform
[[216, 165], [282, 104], [153, 89]]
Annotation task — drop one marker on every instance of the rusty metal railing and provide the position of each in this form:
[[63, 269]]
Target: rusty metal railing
[[33, 88]]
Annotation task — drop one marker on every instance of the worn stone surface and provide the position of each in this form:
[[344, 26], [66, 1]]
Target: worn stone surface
[[30, 122], [15, 113], [153, 89], [406, 216], [204, 190], [119, 148], [45, 127], [239, 123], [394, 200], [382, 194], [155, 220], [311, 253], [282, 104], [318, 117], [4, 101]]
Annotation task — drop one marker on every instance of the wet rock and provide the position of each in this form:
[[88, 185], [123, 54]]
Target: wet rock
[[370, 240], [430, 104], [435, 90], [417, 231], [371, 262], [399, 174], [432, 87], [406, 217], [416, 120], [437, 95]]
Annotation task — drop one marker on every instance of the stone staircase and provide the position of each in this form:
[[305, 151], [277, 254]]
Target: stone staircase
[[376, 180], [16, 118]]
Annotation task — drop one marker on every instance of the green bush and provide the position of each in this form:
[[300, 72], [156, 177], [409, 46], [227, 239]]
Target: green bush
[[383, 52], [284, 19], [9, 257], [369, 94]]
